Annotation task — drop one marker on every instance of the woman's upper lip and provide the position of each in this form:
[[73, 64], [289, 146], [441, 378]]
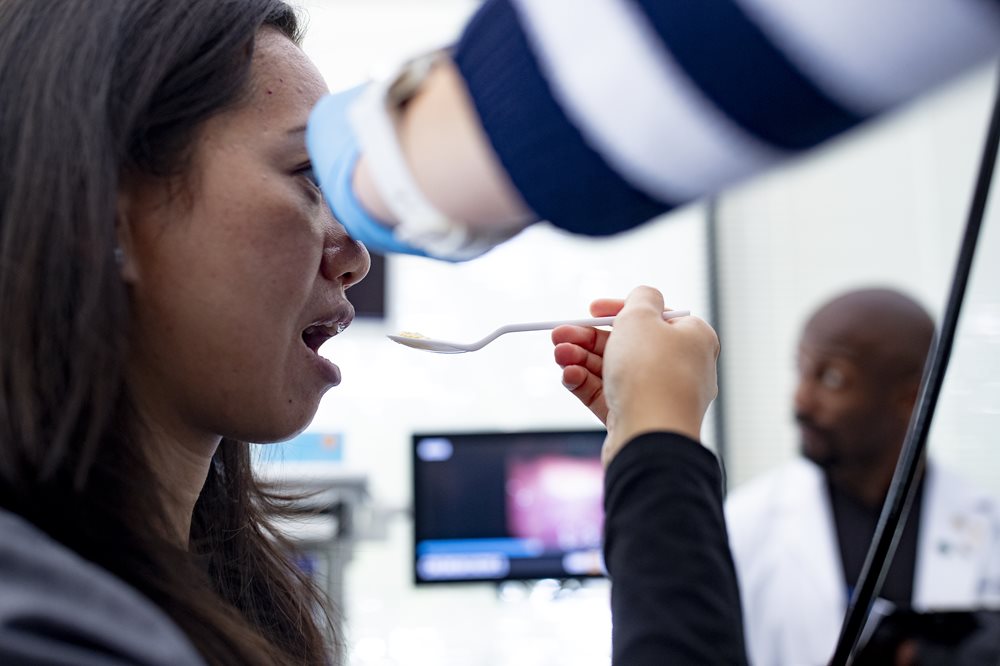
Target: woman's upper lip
[[333, 321]]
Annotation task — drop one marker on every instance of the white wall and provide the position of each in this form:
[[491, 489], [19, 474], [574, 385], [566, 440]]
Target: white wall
[[353, 40], [885, 206]]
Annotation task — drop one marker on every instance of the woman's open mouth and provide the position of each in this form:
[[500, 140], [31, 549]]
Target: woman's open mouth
[[321, 330], [317, 333]]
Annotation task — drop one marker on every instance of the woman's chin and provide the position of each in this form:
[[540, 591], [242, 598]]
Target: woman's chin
[[281, 428], [277, 415]]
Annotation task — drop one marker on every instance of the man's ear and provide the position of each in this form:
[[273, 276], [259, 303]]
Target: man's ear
[[125, 251]]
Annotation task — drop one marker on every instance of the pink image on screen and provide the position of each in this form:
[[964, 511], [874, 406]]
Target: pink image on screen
[[556, 500]]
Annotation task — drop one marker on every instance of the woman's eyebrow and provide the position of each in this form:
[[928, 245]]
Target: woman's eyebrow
[[293, 140]]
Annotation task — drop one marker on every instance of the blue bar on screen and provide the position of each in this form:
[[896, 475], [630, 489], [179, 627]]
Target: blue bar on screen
[[508, 547]]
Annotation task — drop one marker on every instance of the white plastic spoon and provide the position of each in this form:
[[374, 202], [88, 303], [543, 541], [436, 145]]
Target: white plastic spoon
[[418, 341]]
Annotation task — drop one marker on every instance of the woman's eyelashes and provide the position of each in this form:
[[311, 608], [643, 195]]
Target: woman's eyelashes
[[306, 171]]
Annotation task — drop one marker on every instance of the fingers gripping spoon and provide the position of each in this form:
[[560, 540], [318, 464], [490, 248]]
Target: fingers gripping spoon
[[422, 342]]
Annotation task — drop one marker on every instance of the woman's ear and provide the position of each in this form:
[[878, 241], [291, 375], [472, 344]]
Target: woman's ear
[[124, 250]]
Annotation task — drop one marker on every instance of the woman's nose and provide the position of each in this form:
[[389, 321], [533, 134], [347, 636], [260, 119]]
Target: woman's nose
[[345, 260]]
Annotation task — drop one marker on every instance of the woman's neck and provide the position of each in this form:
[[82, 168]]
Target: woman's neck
[[180, 464]]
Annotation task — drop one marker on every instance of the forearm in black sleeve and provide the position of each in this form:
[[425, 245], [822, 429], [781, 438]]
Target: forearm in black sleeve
[[674, 594]]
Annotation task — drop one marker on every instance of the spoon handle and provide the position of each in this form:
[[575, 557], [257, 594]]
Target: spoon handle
[[590, 321]]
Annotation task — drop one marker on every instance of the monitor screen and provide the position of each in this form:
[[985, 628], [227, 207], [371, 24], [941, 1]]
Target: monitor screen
[[368, 296], [507, 506]]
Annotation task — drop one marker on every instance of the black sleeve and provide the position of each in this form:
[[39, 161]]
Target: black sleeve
[[674, 595]]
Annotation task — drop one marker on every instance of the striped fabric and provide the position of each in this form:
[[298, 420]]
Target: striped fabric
[[608, 112]]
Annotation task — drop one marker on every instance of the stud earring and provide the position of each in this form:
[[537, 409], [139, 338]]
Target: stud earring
[[119, 256]]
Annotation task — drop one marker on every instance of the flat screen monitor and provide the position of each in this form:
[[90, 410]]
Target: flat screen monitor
[[497, 506]]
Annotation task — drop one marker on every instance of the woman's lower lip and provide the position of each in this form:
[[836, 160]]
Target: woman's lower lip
[[329, 370]]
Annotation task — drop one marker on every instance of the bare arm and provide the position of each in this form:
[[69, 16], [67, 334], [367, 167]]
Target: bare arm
[[451, 159]]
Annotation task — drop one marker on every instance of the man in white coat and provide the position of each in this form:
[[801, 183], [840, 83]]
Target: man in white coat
[[800, 534]]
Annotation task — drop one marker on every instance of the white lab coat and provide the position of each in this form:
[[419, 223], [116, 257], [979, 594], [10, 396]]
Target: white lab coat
[[788, 562]]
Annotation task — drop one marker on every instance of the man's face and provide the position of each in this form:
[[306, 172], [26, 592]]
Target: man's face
[[847, 417]]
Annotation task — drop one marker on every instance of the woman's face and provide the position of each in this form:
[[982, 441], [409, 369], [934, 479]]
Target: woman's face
[[237, 278]]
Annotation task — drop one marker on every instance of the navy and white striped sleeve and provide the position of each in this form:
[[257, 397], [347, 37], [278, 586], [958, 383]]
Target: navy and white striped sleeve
[[606, 113]]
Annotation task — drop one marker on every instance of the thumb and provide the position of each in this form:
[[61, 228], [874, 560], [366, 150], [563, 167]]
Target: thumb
[[644, 301]]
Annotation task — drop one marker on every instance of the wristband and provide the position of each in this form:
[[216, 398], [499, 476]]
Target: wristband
[[333, 149], [372, 113]]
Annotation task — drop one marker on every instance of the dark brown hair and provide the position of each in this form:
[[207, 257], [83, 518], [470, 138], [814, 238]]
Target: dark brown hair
[[92, 91]]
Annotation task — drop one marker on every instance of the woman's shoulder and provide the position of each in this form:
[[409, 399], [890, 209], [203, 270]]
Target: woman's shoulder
[[56, 607]]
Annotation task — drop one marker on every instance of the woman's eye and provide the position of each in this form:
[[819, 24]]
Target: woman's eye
[[310, 175]]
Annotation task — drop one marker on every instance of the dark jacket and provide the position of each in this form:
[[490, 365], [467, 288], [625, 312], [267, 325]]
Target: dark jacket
[[57, 608]]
